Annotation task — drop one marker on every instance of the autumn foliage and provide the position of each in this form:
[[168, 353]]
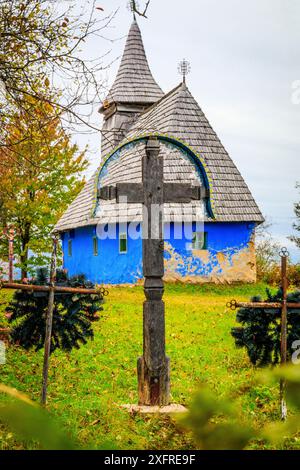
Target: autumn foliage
[[40, 173]]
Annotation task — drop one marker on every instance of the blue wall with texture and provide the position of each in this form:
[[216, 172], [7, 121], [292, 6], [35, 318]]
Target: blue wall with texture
[[112, 267]]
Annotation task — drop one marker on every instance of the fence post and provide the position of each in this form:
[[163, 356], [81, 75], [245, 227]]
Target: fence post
[[49, 320], [283, 341]]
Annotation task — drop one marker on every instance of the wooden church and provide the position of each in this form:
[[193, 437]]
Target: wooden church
[[102, 238]]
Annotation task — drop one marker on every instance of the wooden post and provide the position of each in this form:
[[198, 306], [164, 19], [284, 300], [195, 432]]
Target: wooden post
[[10, 235], [283, 345], [153, 366], [49, 319], [11, 255]]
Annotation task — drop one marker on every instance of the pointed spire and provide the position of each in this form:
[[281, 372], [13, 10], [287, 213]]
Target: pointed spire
[[134, 82]]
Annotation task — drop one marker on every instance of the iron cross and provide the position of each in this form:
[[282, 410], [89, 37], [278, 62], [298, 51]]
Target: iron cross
[[154, 365]]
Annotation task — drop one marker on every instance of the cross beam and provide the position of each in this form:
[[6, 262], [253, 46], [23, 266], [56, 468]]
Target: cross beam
[[154, 365], [233, 305], [56, 289], [134, 192]]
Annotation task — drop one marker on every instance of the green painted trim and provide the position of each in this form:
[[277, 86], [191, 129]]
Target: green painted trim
[[179, 143]]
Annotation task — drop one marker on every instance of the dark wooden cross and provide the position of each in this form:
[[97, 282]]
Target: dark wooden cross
[[284, 305], [154, 365]]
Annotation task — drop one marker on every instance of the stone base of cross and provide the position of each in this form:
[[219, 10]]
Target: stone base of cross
[[154, 365]]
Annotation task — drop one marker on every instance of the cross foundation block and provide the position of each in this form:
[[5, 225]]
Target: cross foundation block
[[166, 410], [154, 386]]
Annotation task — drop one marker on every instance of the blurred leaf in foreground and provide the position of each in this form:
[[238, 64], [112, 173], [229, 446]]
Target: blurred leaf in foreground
[[220, 423], [215, 423], [30, 422]]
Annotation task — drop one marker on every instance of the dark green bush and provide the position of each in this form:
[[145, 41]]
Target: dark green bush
[[72, 317], [260, 330]]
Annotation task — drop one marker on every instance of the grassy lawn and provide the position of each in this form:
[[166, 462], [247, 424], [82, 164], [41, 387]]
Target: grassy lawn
[[87, 386]]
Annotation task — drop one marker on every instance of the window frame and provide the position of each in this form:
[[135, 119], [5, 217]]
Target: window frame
[[95, 246], [70, 247], [195, 243], [123, 236]]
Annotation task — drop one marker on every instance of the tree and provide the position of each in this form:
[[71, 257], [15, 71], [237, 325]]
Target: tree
[[136, 9], [41, 48], [267, 254], [296, 226], [40, 174]]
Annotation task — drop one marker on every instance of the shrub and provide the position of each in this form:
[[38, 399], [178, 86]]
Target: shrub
[[267, 256], [294, 274], [72, 316], [260, 330], [272, 274], [220, 423]]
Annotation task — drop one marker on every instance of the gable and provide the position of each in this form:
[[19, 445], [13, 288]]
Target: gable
[[125, 165], [179, 115]]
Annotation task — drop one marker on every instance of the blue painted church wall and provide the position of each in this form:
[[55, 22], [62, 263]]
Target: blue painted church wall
[[229, 257]]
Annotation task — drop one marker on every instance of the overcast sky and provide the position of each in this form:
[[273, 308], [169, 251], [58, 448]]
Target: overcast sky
[[245, 60]]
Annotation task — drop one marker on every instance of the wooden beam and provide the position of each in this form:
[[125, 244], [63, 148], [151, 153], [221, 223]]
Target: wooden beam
[[4, 331], [267, 305], [132, 191], [181, 192], [49, 321], [57, 289], [173, 192], [107, 193]]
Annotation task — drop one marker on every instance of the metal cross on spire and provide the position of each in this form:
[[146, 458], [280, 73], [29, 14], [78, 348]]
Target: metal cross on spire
[[184, 68]]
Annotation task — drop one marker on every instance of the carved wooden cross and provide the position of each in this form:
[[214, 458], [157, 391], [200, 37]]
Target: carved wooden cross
[[153, 366]]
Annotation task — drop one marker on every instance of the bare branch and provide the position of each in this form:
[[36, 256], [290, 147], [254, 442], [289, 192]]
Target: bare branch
[[137, 11]]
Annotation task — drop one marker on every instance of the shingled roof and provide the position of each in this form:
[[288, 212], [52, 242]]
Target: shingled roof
[[177, 115], [134, 82]]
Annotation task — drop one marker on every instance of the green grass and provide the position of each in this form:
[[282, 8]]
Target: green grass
[[5, 296], [87, 387]]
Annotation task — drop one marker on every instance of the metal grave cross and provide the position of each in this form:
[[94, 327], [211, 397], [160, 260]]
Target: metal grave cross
[[153, 366], [51, 290], [284, 305]]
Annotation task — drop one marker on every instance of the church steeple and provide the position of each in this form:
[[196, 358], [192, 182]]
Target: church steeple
[[133, 91], [134, 82]]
